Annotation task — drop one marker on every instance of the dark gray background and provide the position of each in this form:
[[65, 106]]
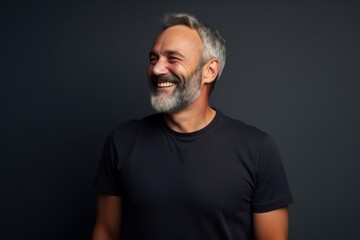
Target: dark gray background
[[71, 72]]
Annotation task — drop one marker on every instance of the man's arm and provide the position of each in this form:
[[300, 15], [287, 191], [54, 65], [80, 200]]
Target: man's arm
[[271, 225], [108, 218]]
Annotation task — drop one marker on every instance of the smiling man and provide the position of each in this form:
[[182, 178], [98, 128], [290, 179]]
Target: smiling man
[[174, 69], [189, 172]]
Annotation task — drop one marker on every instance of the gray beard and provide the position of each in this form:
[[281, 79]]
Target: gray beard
[[185, 93]]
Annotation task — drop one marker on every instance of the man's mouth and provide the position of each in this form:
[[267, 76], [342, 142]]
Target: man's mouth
[[165, 84]]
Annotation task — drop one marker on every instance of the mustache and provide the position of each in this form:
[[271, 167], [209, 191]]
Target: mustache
[[161, 79]]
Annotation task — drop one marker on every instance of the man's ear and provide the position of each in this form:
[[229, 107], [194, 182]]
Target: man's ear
[[210, 70]]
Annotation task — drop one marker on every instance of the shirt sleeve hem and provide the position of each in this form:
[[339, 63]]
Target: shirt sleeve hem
[[107, 190], [266, 207]]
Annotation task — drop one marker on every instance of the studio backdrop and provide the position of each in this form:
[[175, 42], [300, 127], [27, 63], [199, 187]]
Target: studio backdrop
[[71, 72]]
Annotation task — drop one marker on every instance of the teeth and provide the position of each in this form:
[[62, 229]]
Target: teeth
[[165, 84]]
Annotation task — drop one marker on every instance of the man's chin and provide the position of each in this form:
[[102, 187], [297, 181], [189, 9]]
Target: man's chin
[[164, 104]]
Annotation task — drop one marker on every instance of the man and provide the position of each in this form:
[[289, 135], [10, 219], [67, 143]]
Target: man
[[189, 172]]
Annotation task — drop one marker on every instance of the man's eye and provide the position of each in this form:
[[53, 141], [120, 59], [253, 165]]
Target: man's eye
[[152, 60], [173, 59]]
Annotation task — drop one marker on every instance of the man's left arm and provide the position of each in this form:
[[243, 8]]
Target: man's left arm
[[272, 225]]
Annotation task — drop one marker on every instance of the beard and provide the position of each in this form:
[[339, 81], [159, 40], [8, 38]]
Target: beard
[[186, 92]]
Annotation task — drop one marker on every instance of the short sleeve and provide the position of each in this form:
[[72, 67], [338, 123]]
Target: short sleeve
[[107, 179], [114, 156], [271, 188]]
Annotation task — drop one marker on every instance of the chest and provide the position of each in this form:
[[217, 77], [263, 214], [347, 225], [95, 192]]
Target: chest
[[214, 174]]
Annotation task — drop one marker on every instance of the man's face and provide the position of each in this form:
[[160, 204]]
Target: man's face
[[174, 71]]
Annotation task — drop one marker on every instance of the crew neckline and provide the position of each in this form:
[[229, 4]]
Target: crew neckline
[[195, 134]]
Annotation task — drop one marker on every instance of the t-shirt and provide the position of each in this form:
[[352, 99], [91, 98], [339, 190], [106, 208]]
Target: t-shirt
[[200, 185]]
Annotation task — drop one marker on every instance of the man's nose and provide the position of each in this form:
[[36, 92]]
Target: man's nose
[[160, 67]]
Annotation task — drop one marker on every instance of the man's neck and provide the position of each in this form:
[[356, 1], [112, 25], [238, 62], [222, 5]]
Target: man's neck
[[190, 119]]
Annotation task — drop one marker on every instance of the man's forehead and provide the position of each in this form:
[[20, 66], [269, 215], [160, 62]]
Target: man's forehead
[[178, 37], [180, 29]]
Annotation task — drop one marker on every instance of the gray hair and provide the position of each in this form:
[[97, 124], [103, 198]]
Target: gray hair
[[214, 44]]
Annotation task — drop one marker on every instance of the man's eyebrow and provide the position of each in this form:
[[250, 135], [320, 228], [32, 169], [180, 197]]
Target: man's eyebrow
[[167, 53], [173, 52], [152, 53]]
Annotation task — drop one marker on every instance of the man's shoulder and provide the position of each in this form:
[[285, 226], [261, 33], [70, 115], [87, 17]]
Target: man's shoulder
[[242, 134], [238, 127]]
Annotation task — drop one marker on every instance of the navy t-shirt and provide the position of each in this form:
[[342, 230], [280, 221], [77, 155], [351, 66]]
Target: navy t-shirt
[[200, 185]]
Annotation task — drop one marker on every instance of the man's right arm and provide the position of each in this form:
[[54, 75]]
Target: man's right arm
[[108, 218]]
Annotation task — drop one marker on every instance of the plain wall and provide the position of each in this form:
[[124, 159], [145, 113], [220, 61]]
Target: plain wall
[[71, 72]]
